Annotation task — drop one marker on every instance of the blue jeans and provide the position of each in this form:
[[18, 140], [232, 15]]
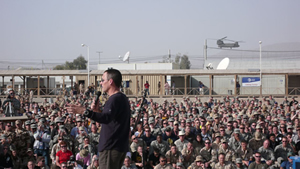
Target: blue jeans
[[44, 153]]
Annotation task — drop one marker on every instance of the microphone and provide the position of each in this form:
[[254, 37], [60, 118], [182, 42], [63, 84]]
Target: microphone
[[88, 111], [98, 94]]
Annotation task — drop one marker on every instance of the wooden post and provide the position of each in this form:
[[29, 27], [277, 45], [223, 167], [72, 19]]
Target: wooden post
[[136, 85], [286, 85], [24, 83], [161, 86], [64, 77], [235, 77], [210, 85], [185, 90], [13, 82], [38, 87], [48, 85]]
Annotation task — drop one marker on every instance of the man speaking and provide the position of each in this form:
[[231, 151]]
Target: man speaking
[[115, 120]]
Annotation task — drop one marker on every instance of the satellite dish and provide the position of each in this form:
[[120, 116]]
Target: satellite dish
[[209, 66], [126, 57], [223, 64]]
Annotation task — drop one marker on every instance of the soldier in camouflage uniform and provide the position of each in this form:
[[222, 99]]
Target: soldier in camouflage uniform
[[189, 154], [181, 143], [209, 154], [198, 163], [160, 144], [21, 139], [86, 145], [79, 139], [228, 151], [223, 163], [94, 136], [163, 163], [173, 156], [29, 157], [8, 133]]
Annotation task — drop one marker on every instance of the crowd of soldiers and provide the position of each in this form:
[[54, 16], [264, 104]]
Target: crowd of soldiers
[[181, 133]]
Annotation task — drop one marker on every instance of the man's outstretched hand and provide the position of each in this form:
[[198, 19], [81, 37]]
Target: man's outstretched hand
[[75, 109]]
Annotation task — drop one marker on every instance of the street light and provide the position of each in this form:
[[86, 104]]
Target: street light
[[88, 65], [260, 42]]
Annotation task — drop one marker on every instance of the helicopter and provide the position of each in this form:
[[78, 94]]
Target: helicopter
[[221, 44]]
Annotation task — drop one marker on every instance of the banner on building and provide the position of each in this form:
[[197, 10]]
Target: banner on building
[[250, 81]]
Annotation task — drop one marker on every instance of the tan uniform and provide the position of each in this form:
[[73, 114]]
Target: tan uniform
[[163, 147], [21, 139], [181, 145], [194, 166], [226, 165], [198, 146], [209, 155], [134, 145], [245, 155], [192, 156], [229, 154], [255, 144], [254, 165], [174, 158], [166, 166]]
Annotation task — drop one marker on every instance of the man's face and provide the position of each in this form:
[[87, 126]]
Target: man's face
[[12, 94], [8, 127], [127, 162], [284, 142], [266, 143], [221, 158], [173, 149], [257, 157], [158, 138], [244, 146], [207, 143], [105, 82], [162, 161]]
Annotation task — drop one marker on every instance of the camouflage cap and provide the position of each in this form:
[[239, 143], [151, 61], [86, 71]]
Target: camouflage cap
[[27, 122], [237, 131], [258, 126], [238, 160], [33, 126], [224, 140], [199, 158], [18, 122], [179, 164], [171, 119]]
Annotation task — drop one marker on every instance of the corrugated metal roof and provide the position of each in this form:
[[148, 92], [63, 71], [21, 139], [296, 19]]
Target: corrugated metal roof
[[144, 72]]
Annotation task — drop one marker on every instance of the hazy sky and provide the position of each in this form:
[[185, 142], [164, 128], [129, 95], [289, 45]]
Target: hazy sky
[[53, 31]]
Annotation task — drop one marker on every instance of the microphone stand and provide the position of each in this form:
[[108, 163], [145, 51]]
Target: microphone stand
[[140, 118]]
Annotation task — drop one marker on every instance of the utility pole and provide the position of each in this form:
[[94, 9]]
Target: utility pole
[[99, 55]]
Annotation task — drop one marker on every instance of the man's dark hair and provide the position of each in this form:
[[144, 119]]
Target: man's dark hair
[[115, 75]]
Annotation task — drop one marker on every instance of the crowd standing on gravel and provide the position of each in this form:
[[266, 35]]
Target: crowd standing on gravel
[[181, 133]]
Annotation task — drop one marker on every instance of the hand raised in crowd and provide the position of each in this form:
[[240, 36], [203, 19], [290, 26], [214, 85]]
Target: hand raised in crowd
[[75, 109]]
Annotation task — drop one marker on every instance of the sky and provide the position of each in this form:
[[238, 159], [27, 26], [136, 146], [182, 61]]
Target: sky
[[52, 32]]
